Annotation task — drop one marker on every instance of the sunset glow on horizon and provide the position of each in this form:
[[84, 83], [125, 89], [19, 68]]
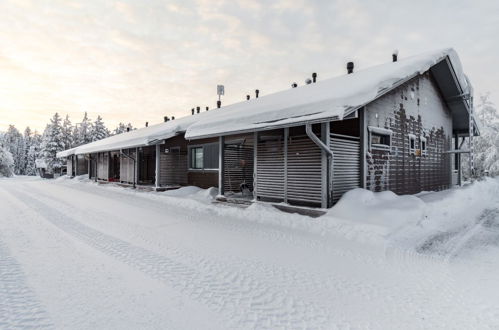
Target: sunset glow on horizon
[[137, 61]]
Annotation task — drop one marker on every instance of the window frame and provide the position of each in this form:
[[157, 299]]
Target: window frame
[[382, 132], [411, 139], [424, 141], [202, 147]]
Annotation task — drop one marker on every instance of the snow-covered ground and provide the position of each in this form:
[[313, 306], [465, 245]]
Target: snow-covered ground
[[78, 255]]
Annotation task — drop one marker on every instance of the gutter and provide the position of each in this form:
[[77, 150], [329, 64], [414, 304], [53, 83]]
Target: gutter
[[326, 149]]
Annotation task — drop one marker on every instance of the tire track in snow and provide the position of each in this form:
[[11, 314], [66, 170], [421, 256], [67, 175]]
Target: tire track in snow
[[304, 283], [19, 307], [246, 301], [271, 232]]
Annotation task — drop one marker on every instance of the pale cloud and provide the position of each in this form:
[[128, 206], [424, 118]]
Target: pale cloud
[[140, 60]]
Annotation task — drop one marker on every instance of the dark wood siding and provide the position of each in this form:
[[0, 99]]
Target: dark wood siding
[[102, 166], [202, 178], [238, 162], [82, 164], [127, 166], [173, 164], [415, 108]]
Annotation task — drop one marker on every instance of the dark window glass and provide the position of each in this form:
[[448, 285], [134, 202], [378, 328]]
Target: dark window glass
[[380, 139], [197, 157], [204, 157]]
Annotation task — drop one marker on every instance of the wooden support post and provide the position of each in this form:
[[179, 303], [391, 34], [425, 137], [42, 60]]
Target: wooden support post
[[75, 166], [158, 154], [221, 142], [255, 166], [286, 136], [363, 146], [136, 168]]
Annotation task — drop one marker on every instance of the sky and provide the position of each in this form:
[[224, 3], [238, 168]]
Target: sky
[[137, 61]]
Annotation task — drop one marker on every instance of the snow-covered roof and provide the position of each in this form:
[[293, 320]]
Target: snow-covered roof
[[66, 153], [325, 99], [137, 138], [330, 98]]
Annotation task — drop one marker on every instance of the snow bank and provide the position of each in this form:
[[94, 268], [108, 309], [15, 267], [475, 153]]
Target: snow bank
[[384, 208], [325, 99]]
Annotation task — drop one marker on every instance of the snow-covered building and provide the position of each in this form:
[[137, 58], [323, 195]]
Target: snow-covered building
[[388, 127]]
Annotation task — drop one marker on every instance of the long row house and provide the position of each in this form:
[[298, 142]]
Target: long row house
[[398, 126]]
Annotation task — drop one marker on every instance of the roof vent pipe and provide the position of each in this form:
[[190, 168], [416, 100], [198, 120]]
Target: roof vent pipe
[[294, 85], [314, 77], [350, 67], [192, 110], [257, 91], [219, 104], [173, 117], [207, 108], [247, 97], [147, 123], [308, 81], [166, 118], [128, 129], [198, 109], [395, 55]]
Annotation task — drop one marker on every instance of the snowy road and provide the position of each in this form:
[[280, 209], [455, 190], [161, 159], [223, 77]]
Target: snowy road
[[80, 255]]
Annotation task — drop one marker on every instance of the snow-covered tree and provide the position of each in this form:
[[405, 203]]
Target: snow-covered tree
[[122, 128], [486, 146], [99, 130], [52, 142], [67, 133], [6, 162], [32, 150], [82, 132], [14, 142]]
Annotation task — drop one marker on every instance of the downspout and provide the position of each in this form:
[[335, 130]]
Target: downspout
[[328, 151], [134, 165]]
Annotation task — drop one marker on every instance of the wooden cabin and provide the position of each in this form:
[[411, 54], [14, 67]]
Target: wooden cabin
[[389, 127]]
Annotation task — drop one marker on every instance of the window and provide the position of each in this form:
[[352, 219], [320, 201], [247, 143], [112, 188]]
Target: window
[[423, 146], [412, 144], [380, 138], [204, 157], [197, 158]]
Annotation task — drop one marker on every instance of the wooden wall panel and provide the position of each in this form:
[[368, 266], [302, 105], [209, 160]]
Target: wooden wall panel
[[414, 108]]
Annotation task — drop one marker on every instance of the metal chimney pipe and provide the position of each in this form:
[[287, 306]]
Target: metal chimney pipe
[[257, 92], [350, 67], [314, 77], [192, 110], [395, 55], [147, 123], [207, 108], [198, 109]]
